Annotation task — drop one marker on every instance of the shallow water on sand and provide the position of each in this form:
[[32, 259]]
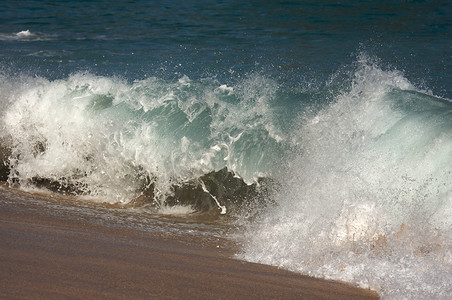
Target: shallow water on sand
[[177, 224]]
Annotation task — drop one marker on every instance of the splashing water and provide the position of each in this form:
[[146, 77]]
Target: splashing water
[[368, 195], [362, 165], [110, 139]]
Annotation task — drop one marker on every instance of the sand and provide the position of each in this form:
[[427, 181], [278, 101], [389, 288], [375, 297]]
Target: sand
[[44, 255]]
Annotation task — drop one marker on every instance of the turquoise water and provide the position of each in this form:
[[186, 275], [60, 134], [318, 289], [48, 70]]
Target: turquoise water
[[323, 129]]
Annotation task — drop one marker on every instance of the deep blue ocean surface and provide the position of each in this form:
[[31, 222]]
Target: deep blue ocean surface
[[344, 107], [289, 41]]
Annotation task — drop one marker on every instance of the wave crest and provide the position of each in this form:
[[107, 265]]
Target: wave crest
[[363, 200], [111, 139]]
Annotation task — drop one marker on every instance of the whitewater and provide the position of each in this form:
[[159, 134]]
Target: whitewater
[[367, 195], [316, 136], [348, 180]]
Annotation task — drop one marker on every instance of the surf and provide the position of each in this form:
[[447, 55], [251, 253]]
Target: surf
[[349, 179], [367, 196], [144, 141]]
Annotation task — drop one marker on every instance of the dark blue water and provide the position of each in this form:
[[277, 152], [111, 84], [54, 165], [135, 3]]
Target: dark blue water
[[327, 124], [289, 41]]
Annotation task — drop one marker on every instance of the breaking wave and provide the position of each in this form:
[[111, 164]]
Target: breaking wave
[[350, 180], [117, 142], [368, 195]]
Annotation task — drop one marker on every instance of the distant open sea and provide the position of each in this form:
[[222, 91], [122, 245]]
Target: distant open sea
[[321, 132]]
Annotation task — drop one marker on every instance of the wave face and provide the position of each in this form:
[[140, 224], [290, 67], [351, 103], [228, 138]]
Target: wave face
[[368, 195], [112, 140]]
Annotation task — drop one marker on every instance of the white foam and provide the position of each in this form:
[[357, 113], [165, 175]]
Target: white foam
[[28, 36], [176, 210], [365, 198], [107, 136], [24, 34]]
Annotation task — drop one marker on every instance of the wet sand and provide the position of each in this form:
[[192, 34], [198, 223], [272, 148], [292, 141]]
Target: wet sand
[[46, 255]]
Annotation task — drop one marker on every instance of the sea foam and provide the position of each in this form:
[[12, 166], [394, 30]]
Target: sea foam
[[361, 167], [105, 137], [367, 196]]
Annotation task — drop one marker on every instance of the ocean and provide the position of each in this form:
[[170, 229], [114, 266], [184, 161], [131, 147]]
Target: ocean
[[319, 134]]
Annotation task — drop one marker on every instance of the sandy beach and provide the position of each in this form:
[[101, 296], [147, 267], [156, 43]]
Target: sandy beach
[[44, 255]]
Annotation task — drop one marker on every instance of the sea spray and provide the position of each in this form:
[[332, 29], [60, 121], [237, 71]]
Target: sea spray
[[349, 181], [113, 140], [367, 196]]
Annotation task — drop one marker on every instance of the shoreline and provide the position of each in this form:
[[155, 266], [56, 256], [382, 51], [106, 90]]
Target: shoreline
[[46, 255]]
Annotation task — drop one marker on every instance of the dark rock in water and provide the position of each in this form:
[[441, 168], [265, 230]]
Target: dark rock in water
[[203, 193], [63, 186], [217, 192], [230, 191], [4, 161]]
